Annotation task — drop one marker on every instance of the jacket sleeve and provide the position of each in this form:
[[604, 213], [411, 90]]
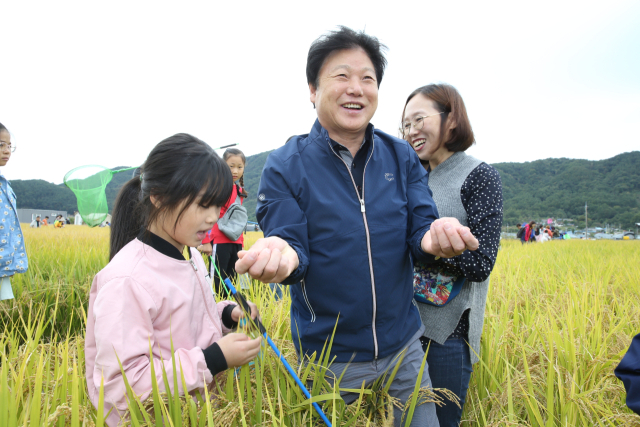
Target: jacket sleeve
[[279, 214], [422, 209], [123, 313], [629, 372], [481, 195], [11, 237], [224, 309]]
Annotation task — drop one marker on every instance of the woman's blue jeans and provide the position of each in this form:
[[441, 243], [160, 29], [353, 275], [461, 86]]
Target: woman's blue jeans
[[449, 367]]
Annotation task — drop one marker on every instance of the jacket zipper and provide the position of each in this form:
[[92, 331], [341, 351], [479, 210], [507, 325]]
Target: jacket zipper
[[366, 228], [306, 299], [204, 296]]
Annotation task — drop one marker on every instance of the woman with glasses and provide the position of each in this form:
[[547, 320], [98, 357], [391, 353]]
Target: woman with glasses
[[451, 293], [13, 256]]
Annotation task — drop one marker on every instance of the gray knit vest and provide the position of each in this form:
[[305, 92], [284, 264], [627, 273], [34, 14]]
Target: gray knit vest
[[446, 182]]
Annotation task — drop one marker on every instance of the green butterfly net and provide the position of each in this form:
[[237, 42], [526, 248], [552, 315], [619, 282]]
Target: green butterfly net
[[89, 183]]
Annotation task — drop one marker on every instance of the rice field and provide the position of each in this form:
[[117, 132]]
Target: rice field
[[559, 317]]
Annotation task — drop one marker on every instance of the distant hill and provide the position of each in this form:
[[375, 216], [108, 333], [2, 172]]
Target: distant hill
[[556, 188], [559, 188]]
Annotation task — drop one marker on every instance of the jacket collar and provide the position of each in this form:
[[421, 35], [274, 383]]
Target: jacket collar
[[319, 132], [160, 245]]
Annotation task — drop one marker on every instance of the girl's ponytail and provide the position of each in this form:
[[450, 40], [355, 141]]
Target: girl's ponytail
[[127, 219], [243, 194]]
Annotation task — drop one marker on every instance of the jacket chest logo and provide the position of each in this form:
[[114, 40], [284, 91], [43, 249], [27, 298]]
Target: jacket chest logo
[[388, 177]]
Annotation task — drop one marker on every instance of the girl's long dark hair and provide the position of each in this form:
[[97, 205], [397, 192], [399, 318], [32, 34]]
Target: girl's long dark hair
[[177, 171], [235, 152]]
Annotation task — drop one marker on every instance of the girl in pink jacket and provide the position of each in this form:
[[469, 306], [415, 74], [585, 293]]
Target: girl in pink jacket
[[150, 294]]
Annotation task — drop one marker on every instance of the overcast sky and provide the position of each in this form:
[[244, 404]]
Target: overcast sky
[[101, 83]]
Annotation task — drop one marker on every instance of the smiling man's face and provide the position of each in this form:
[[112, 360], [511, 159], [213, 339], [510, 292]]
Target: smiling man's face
[[347, 94]]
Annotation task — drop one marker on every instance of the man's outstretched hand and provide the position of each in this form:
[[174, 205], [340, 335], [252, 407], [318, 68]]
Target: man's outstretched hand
[[270, 260], [447, 238]]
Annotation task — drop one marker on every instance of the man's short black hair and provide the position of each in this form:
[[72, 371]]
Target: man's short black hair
[[344, 38]]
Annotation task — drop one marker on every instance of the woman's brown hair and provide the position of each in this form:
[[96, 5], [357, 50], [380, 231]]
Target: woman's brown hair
[[449, 102]]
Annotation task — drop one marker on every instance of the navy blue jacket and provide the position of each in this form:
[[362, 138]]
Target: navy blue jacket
[[629, 372], [355, 254]]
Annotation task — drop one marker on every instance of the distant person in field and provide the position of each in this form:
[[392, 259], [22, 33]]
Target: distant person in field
[[436, 125], [13, 255], [345, 209], [542, 235], [217, 243], [520, 233], [529, 232], [59, 222], [45, 221], [149, 291], [36, 222], [77, 219]]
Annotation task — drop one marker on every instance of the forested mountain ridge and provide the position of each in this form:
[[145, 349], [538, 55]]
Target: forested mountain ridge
[[559, 188], [556, 188]]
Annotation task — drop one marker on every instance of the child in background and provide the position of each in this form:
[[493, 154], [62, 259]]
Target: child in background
[[13, 256], [216, 243], [149, 294], [36, 222]]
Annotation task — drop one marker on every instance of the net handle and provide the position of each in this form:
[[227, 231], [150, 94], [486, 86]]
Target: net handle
[[125, 169]]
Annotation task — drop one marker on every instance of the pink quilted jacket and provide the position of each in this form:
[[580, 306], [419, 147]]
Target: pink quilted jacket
[[142, 298]]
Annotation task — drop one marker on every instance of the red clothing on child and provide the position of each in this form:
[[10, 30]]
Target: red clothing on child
[[215, 236]]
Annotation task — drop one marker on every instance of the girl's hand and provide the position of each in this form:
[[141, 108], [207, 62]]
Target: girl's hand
[[238, 314], [239, 349], [207, 249], [270, 260], [447, 238]]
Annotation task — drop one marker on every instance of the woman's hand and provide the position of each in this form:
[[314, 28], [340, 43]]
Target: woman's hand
[[207, 249], [238, 314], [270, 260], [239, 349], [447, 238]]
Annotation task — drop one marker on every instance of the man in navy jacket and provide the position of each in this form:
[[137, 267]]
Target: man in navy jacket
[[346, 209], [629, 372]]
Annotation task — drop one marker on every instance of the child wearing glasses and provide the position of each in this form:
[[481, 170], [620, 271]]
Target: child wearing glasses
[[13, 256]]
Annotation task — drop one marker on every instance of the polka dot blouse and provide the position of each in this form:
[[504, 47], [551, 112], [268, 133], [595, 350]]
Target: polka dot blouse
[[481, 195]]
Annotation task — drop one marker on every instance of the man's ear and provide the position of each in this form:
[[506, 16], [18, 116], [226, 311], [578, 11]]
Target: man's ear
[[312, 94]]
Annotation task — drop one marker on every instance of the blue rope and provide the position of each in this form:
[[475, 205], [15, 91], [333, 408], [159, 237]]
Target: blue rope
[[243, 303]]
